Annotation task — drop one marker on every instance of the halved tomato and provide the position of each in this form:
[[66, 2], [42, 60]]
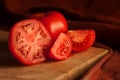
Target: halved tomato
[[81, 39], [61, 48], [29, 41]]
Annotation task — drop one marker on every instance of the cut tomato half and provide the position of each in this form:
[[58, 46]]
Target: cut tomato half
[[29, 41]]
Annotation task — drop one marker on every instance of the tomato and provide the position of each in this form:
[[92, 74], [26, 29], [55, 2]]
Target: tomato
[[54, 21], [29, 41], [81, 39], [61, 48]]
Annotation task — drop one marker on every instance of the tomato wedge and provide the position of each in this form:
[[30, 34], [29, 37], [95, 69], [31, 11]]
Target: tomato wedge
[[81, 39], [29, 41], [61, 48]]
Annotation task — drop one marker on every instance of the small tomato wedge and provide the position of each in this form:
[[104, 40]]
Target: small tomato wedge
[[54, 21], [29, 41], [61, 48], [81, 39]]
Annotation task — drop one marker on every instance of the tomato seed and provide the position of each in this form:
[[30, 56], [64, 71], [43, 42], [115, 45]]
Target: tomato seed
[[24, 50], [38, 55], [42, 33], [19, 38], [28, 28]]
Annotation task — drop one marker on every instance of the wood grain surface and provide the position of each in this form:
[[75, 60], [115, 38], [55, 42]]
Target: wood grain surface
[[70, 69]]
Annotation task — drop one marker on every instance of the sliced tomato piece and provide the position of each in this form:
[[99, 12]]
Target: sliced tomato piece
[[28, 41], [61, 48], [81, 39]]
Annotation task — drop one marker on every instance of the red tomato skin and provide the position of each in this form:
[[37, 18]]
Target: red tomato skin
[[12, 44], [61, 48], [86, 43], [54, 21]]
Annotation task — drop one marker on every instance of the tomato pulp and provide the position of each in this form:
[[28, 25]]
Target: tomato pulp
[[61, 48], [81, 39], [29, 41]]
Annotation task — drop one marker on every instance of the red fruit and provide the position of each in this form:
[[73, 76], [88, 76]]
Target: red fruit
[[54, 21], [81, 39], [61, 49], [29, 41]]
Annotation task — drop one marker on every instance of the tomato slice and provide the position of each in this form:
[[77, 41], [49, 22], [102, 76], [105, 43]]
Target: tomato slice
[[29, 41], [61, 48], [81, 39]]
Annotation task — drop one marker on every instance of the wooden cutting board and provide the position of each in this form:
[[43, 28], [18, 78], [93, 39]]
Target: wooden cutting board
[[70, 69]]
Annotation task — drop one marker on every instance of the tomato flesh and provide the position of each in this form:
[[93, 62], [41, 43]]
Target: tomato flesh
[[28, 41], [61, 48], [81, 39]]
